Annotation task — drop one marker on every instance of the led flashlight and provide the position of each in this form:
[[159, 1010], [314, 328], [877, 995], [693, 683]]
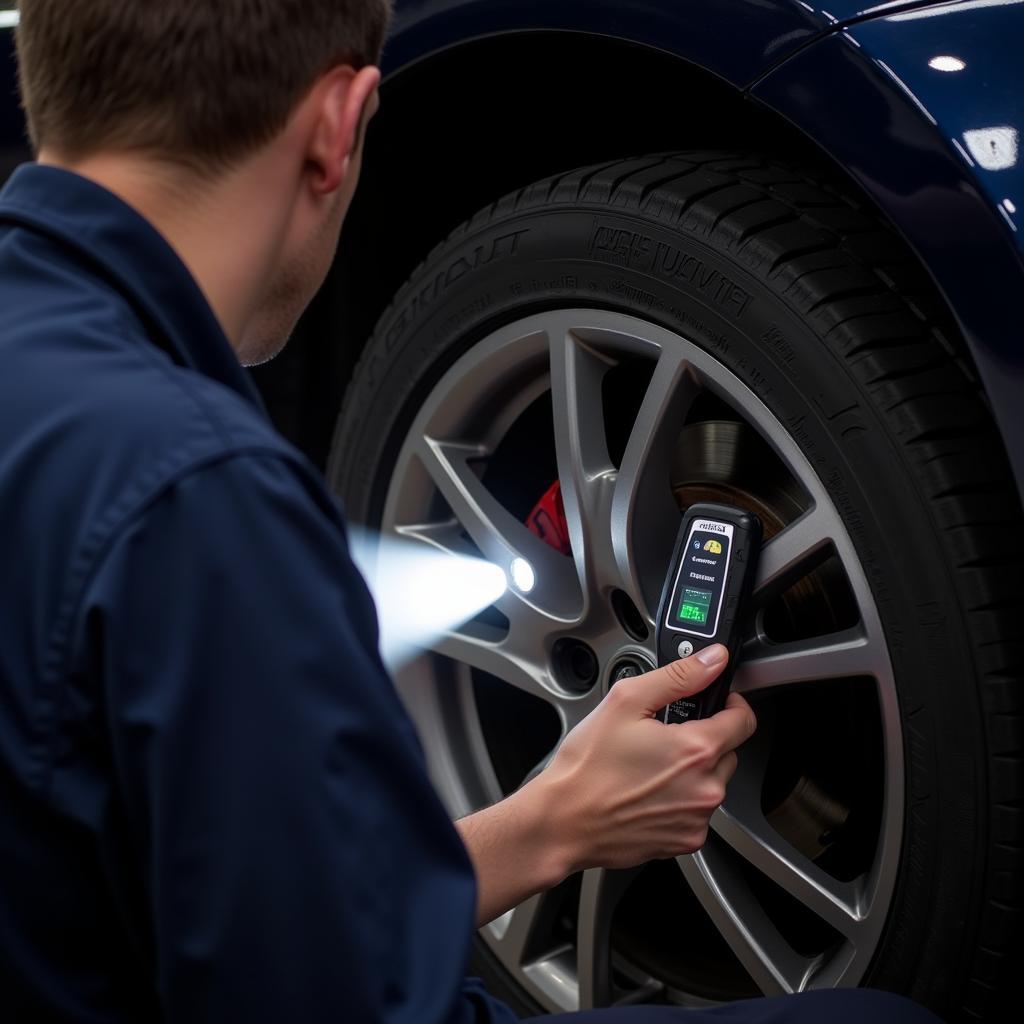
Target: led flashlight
[[524, 579]]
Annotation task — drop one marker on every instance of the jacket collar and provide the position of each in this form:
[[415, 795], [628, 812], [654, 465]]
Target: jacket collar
[[134, 258]]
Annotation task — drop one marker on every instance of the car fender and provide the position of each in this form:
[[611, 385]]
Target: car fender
[[736, 39], [939, 151]]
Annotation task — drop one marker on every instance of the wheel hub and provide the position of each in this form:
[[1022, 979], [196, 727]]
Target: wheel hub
[[628, 666]]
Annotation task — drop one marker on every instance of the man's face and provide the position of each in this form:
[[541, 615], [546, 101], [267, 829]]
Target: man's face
[[303, 271]]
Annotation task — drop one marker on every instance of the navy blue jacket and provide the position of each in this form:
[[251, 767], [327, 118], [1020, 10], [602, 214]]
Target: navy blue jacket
[[212, 805]]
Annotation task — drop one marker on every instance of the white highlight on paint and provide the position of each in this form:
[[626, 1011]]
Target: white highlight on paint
[[421, 592], [8, 19], [947, 8], [1011, 206], [945, 62], [995, 149], [523, 577]]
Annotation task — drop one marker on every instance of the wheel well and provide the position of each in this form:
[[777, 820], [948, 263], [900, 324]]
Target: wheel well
[[459, 130]]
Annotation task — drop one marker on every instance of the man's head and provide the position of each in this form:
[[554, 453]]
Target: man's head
[[212, 95]]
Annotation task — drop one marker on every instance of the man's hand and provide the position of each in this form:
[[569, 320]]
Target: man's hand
[[622, 789], [629, 788]]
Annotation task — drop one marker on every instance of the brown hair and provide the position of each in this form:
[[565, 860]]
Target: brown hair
[[201, 82]]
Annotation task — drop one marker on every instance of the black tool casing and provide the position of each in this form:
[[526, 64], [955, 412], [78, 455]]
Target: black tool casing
[[695, 587]]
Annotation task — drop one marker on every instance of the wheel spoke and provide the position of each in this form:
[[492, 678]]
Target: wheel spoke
[[501, 660], [767, 666], [522, 940], [498, 535], [585, 469], [446, 537], [600, 893], [795, 551], [489, 790], [771, 962], [837, 903], [513, 932], [644, 515]]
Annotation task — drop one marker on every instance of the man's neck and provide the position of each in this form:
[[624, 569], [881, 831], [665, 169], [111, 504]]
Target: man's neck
[[224, 230]]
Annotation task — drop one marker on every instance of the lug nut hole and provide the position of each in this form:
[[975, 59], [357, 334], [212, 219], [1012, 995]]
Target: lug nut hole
[[629, 616], [576, 664]]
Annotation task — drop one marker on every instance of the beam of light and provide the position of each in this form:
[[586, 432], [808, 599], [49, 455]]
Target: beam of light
[[8, 19], [421, 592]]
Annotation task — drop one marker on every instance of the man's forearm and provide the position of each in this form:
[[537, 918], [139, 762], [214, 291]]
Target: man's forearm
[[516, 849]]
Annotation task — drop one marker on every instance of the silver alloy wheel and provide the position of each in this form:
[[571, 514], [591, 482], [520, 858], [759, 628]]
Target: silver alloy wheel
[[620, 519]]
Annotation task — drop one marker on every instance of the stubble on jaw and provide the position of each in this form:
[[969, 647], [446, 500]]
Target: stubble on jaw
[[290, 293]]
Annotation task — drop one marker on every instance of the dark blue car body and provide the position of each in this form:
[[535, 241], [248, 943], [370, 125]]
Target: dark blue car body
[[937, 151]]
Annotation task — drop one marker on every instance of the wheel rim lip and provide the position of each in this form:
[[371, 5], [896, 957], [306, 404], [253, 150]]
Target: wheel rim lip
[[507, 350]]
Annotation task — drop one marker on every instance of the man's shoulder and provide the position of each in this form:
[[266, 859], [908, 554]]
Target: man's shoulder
[[75, 349], [101, 383], [96, 420], [159, 422]]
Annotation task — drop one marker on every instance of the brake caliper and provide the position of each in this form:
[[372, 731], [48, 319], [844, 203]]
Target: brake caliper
[[547, 520]]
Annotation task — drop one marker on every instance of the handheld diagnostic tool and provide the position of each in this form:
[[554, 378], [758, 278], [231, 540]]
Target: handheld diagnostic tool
[[711, 575]]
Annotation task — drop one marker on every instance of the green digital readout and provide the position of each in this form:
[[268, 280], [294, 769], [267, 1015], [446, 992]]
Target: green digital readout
[[695, 606]]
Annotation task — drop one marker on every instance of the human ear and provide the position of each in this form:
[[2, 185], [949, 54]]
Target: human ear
[[369, 110], [343, 102]]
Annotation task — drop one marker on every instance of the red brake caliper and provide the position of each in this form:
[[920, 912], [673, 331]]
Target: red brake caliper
[[547, 520]]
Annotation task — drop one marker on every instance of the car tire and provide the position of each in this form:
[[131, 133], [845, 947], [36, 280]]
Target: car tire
[[819, 310]]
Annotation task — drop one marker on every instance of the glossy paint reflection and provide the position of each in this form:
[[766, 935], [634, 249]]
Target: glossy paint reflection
[[960, 63]]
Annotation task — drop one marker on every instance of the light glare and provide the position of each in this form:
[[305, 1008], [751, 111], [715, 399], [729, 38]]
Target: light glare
[[421, 592], [523, 576], [945, 62], [994, 148]]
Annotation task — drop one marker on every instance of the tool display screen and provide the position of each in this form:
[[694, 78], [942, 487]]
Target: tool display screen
[[700, 583], [695, 606]]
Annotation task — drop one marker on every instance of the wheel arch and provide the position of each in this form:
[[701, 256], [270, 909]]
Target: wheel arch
[[457, 130], [487, 130]]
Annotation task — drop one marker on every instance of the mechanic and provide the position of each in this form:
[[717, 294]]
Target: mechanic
[[214, 806]]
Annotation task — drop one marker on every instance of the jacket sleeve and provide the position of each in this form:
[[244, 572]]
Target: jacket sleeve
[[295, 861]]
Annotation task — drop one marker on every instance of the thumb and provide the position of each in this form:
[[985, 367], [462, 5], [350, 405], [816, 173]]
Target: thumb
[[649, 693]]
